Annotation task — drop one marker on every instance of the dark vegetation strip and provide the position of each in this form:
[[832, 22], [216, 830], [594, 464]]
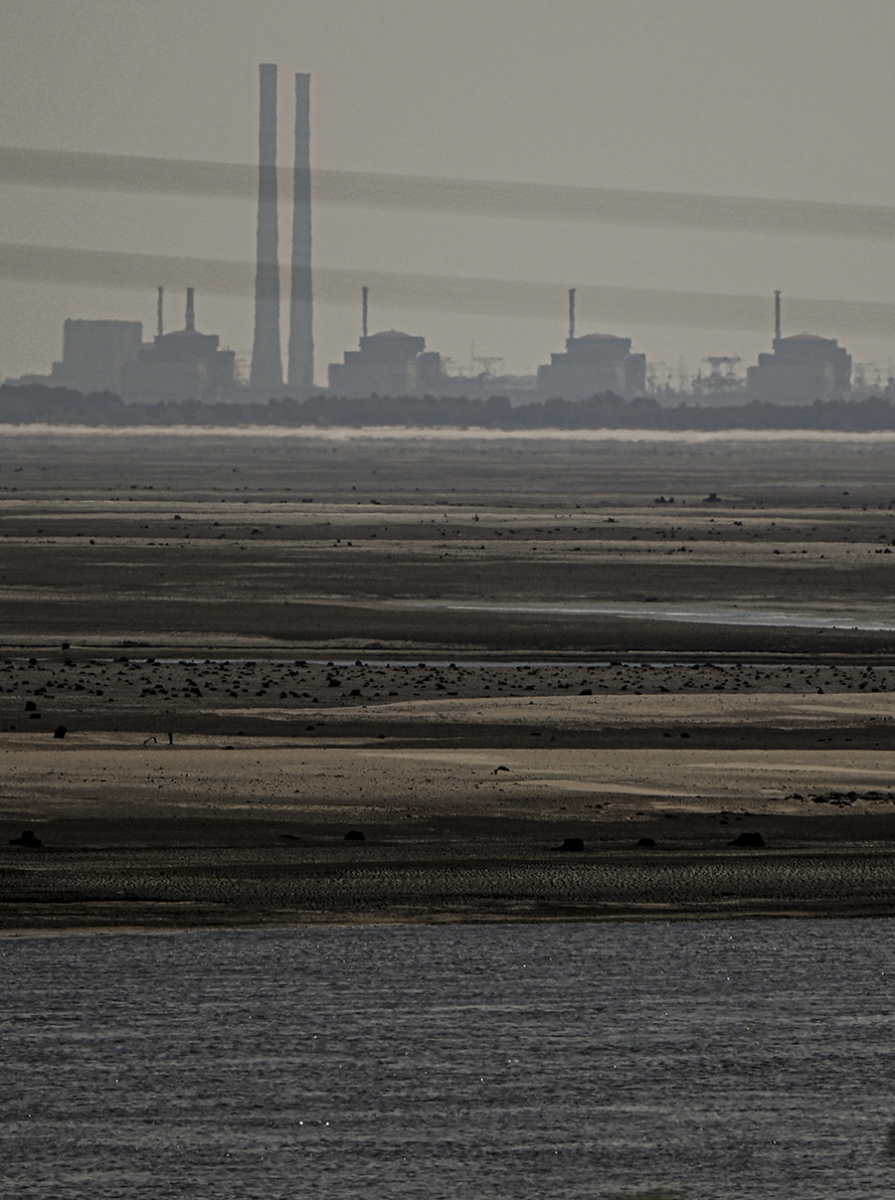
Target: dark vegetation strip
[[38, 404]]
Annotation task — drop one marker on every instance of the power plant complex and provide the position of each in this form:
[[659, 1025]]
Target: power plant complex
[[111, 356]]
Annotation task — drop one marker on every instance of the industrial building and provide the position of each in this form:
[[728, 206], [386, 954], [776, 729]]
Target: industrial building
[[187, 365], [93, 355], [592, 365], [111, 356], [801, 369], [183, 365], [387, 364]]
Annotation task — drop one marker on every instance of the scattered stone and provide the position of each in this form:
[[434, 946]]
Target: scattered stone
[[572, 845], [27, 839], [354, 835], [645, 841], [59, 732], [748, 839]]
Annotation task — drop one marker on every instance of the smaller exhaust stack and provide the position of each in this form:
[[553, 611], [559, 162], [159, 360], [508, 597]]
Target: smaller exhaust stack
[[776, 316], [365, 293], [191, 309], [571, 314], [161, 312]]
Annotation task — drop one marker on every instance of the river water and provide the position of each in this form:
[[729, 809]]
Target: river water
[[721, 1061], [695, 613]]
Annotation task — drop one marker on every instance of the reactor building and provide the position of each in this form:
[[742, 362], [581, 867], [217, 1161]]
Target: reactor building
[[801, 369], [592, 364], [389, 363], [182, 365]]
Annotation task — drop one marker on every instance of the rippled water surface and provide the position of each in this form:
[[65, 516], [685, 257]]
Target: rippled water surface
[[722, 1060]]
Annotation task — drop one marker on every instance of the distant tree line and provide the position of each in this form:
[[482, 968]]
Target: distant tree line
[[38, 404]]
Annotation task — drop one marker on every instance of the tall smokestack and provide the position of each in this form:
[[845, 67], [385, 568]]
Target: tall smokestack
[[191, 309], [301, 328], [571, 314], [161, 311], [365, 300], [267, 359], [776, 316]]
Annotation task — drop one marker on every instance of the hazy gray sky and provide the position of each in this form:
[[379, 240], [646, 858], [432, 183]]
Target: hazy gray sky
[[785, 99]]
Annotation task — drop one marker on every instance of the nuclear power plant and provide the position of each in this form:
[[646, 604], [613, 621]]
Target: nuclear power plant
[[110, 355]]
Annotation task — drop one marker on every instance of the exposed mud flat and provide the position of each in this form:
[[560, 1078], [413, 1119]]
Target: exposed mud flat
[[257, 646]]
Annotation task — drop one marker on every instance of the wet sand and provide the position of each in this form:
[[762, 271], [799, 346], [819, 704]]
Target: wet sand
[[247, 674]]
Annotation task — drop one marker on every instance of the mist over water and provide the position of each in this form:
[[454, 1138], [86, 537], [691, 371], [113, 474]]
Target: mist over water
[[730, 1061], [435, 434]]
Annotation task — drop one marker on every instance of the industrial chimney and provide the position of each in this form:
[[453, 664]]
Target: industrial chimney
[[776, 317], [301, 331], [267, 359], [571, 314]]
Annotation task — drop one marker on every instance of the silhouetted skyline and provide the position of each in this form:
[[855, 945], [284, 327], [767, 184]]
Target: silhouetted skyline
[[444, 145]]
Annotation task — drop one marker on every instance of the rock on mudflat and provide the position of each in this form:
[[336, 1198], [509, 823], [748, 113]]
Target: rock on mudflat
[[28, 839], [748, 839], [572, 844]]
